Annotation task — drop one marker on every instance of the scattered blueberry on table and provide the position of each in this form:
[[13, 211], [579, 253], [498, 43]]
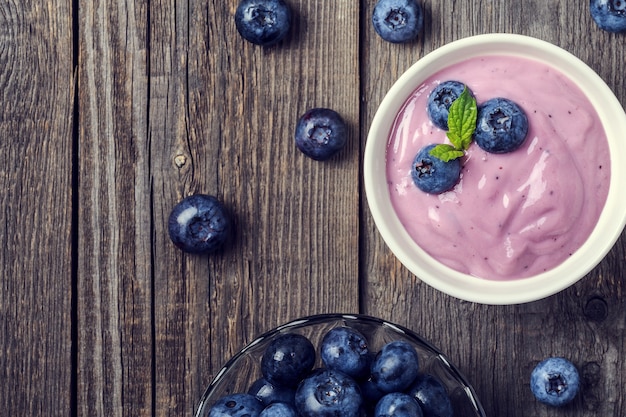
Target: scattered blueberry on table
[[320, 133], [398, 21], [555, 381], [263, 22], [433, 175], [501, 126], [609, 15], [199, 224]]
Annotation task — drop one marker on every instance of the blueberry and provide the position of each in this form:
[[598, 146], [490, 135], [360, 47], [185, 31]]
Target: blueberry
[[432, 175], [320, 133], [279, 410], [440, 100], [268, 393], [287, 359], [609, 15], [346, 350], [398, 404], [398, 21], [199, 224], [431, 395], [263, 22], [236, 405], [370, 392], [501, 126], [328, 393], [395, 366], [555, 381]]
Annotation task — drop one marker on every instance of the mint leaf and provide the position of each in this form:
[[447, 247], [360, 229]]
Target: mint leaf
[[446, 152], [462, 120], [461, 125]]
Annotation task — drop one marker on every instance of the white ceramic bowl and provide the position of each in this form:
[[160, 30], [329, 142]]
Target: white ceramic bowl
[[467, 287]]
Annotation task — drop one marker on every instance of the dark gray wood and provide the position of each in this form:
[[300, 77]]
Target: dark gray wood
[[174, 102], [103, 316], [37, 99], [114, 252]]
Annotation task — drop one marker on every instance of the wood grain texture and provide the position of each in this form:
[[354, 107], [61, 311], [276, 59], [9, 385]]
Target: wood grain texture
[[103, 316], [36, 92], [498, 346], [114, 289], [174, 102], [229, 109]]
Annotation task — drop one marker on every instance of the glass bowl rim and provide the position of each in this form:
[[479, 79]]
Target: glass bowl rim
[[323, 318]]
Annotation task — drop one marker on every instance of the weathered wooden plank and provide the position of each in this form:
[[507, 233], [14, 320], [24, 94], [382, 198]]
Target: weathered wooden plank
[[222, 114], [497, 346], [114, 288], [37, 96], [179, 294]]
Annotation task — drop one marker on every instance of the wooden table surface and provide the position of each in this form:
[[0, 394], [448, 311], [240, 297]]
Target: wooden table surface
[[113, 111]]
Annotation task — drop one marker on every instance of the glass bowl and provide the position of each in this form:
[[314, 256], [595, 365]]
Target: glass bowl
[[245, 366]]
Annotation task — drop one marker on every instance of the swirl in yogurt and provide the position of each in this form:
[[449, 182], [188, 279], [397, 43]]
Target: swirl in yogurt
[[511, 215]]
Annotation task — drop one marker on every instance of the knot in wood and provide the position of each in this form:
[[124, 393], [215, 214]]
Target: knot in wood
[[596, 309], [180, 161]]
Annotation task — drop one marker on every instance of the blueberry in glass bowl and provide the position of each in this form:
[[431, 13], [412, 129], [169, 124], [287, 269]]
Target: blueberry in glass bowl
[[332, 380]]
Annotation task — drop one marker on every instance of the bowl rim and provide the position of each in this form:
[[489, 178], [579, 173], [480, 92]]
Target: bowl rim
[[467, 287], [321, 318]]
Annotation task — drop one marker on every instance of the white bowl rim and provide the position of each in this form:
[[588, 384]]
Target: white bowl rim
[[612, 218]]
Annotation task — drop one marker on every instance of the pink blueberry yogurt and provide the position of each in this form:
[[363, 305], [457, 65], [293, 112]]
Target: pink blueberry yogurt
[[511, 215]]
